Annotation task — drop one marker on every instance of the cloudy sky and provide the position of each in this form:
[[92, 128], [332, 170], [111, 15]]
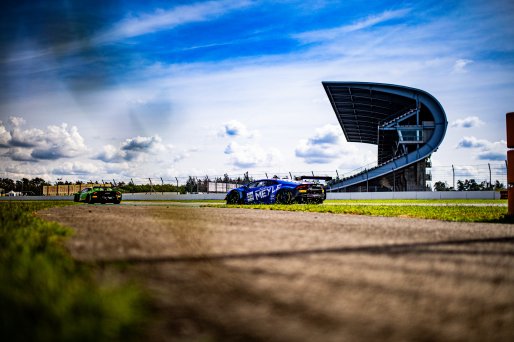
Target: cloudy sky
[[121, 89]]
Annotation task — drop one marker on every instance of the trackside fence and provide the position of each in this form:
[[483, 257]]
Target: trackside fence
[[490, 176]]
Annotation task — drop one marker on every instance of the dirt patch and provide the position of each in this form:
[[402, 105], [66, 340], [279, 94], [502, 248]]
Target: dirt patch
[[236, 274]]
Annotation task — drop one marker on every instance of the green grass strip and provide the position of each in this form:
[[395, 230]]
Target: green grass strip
[[419, 201], [446, 213], [46, 296]]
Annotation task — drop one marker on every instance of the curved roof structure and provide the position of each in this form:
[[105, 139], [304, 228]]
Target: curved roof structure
[[406, 124]]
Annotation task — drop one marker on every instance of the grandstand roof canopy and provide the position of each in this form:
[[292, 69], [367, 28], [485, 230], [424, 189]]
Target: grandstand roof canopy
[[361, 108]]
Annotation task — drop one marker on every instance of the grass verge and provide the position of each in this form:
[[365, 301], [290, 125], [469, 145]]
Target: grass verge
[[420, 201], [46, 296], [445, 213]]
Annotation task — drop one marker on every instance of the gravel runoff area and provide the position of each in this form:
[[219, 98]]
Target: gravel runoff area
[[258, 275]]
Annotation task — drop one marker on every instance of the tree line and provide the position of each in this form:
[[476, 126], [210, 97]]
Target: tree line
[[35, 186], [469, 185], [32, 186]]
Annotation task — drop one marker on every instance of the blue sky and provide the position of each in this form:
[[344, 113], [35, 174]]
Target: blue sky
[[121, 89]]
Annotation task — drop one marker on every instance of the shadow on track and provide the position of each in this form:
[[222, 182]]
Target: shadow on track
[[395, 249]]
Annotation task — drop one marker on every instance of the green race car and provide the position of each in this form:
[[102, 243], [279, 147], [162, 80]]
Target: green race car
[[98, 194]]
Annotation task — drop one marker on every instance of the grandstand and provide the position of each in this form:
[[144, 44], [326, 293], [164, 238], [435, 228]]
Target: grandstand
[[406, 124]]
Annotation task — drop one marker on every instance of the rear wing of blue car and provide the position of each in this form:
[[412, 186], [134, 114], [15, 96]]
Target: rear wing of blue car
[[326, 179]]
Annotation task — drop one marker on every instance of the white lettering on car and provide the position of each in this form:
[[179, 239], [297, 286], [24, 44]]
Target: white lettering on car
[[274, 190], [249, 197], [262, 193]]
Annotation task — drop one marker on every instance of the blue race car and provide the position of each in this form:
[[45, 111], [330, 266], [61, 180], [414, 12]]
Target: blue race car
[[278, 191]]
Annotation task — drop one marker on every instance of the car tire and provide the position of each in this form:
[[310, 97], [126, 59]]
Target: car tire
[[284, 197], [89, 200], [76, 198], [233, 198], [116, 202]]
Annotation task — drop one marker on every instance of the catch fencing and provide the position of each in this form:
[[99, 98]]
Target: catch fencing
[[489, 174]]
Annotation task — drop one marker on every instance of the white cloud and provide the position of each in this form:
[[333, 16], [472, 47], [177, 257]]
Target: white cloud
[[27, 170], [327, 145], [141, 24], [487, 150], [27, 138], [370, 21], [16, 121], [248, 156], [60, 142], [141, 144], [472, 142], [53, 143], [234, 128], [20, 154], [492, 155], [134, 149], [459, 67], [111, 154], [5, 136], [468, 122], [76, 168]]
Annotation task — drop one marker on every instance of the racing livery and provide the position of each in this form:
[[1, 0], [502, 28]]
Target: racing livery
[[279, 191], [98, 194]]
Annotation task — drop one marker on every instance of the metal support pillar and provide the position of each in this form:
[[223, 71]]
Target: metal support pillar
[[453, 172], [490, 179], [151, 185]]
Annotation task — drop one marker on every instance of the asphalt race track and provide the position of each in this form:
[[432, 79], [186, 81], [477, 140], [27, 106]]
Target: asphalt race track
[[258, 275]]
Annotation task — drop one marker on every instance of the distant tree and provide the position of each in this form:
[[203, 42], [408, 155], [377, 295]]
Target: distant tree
[[246, 178], [191, 184], [472, 185], [498, 186], [441, 186]]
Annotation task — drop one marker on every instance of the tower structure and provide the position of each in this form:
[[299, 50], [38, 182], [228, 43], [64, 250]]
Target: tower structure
[[406, 124]]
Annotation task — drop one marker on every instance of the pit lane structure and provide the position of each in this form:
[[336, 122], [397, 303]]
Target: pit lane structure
[[406, 124]]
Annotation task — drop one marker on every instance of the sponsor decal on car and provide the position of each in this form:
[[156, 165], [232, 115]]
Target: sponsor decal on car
[[249, 197], [261, 194]]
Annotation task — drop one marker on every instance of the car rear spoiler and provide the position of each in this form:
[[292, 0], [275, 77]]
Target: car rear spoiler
[[325, 178]]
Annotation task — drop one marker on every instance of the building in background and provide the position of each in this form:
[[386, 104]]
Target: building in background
[[406, 124]]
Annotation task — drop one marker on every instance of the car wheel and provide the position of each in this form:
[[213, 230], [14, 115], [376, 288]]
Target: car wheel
[[76, 198], [88, 199], [284, 197], [116, 202], [232, 198]]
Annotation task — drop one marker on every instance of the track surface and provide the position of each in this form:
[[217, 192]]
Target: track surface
[[255, 275]]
